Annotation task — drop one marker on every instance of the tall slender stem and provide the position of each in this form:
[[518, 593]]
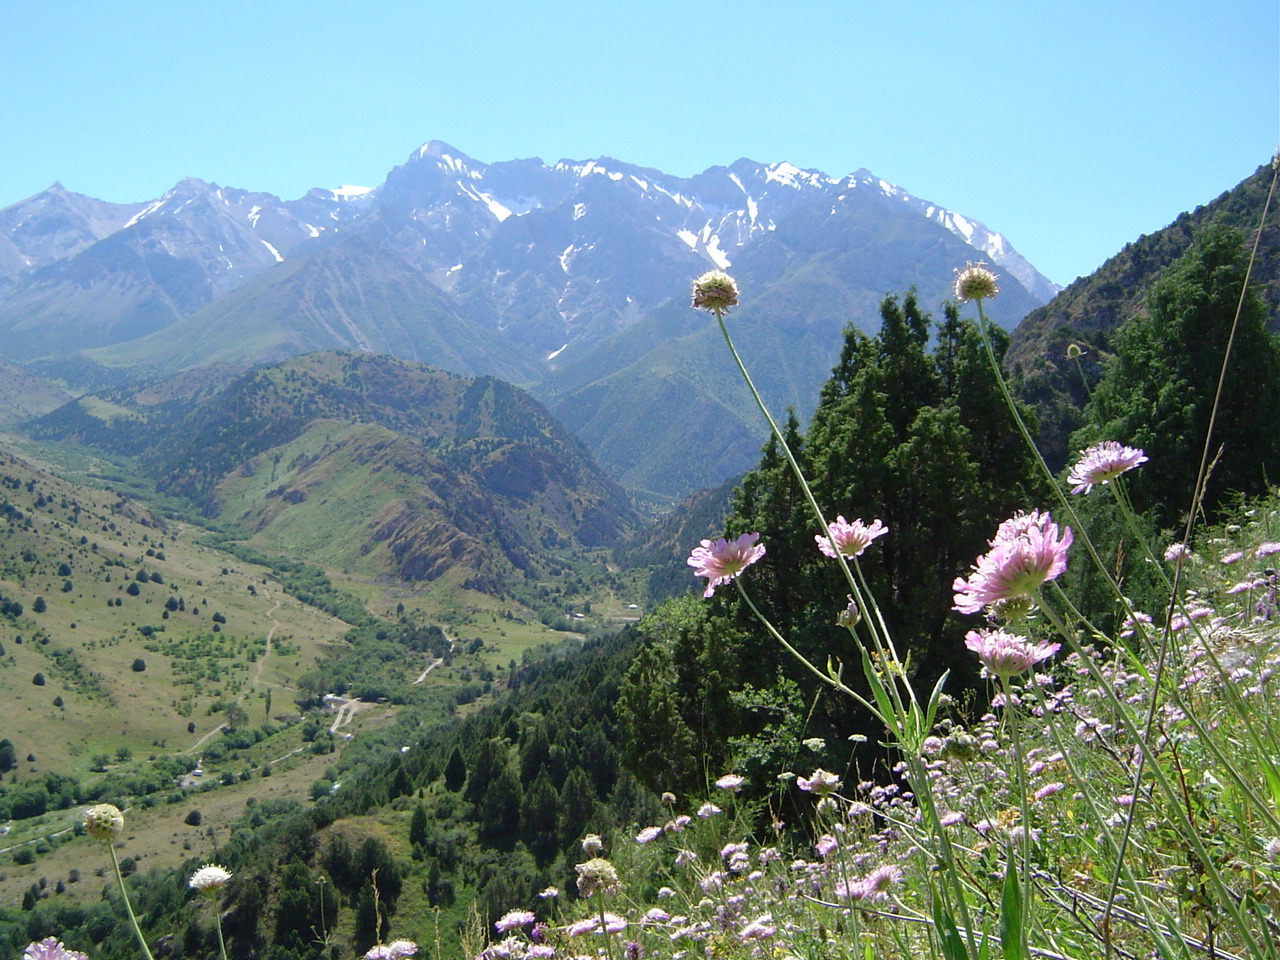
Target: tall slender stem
[[137, 929]]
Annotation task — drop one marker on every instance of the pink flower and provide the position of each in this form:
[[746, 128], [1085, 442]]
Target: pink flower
[[395, 950], [760, 929], [513, 919], [648, 834], [51, 948], [874, 886], [1005, 654], [730, 781], [822, 783], [722, 560], [1177, 551], [1048, 790], [851, 538], [1102, 463], [1025, 552]]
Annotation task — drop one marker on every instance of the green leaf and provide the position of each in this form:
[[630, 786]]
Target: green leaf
[[885, 710], [934, 699], [1011, 918], [949, 940]]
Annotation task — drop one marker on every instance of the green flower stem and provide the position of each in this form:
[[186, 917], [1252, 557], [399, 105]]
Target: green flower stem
[[142, 941], [863, 606], [604, 927], [918, 775], [1207, 739], [1020, 760], [217, 917], [804, 661], [1261, 750], [1067, 746]]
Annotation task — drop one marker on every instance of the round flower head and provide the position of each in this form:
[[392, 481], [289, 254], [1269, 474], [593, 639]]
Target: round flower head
[[716, 291], [821, 783], [513, 919], [975, 282], [731, 782], [722, 560], [874, 886], [51, 948], [597, 876], [395, 950], [851, 538], [1025, 552], [1004, 654], [210, 877], [1102, 463], [104, 822]]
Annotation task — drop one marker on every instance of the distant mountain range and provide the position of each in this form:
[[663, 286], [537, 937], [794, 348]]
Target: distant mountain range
[[569, 278]]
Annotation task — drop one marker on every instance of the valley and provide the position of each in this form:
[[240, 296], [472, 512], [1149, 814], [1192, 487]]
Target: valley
[[145, 664]]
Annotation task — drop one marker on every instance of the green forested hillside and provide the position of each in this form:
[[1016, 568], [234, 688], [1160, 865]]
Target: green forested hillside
[[1089, 311]]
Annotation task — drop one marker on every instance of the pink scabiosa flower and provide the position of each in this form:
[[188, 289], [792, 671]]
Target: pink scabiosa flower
[[722, 560], [395, 950], [51, 948], [513, 919], [1177, 552], [597, 876], [1102, 463], [821, 783], [851, 538], [1005, 654], [648, 834], [874, 886], [1026, 551], [731, 782], [975, 282]]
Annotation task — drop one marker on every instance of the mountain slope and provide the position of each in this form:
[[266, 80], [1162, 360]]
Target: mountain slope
[[1088, 310], [369, 462], [357, 297]]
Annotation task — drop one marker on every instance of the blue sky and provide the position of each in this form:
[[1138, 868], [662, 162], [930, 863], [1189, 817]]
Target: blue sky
[[1072, 128]]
